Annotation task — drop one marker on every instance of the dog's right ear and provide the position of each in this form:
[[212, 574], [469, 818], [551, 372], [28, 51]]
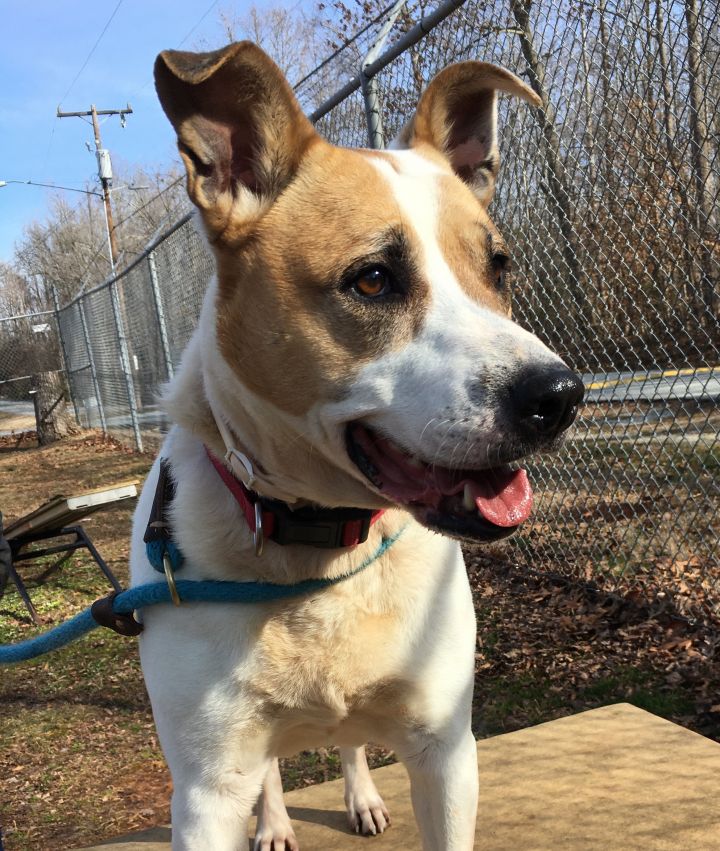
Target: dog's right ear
[[457, 115], [241, 132]]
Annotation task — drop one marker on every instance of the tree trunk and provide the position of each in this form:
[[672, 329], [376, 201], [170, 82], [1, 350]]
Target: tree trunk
[[667, 85], [52, 417], [589, 134], [701, 159], [556, 189]]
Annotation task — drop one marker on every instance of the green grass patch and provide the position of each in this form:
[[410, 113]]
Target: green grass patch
[[642, 689], [507, 703]]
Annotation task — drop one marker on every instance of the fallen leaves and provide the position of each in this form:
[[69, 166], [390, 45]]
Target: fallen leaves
[[548, 646]]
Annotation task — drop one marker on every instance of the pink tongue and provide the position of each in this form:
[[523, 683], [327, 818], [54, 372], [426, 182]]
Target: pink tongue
[[504, 497]]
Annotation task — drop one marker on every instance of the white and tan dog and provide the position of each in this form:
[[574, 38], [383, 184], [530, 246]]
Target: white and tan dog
[[356, 348]]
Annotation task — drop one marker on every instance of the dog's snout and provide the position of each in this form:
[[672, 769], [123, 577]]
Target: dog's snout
[[546, 400]]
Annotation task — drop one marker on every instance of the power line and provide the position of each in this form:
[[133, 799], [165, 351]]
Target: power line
[[204, 15], [52, 186], [75, 79], [189, 33], [94, 47], [50, 143], [149, 201]]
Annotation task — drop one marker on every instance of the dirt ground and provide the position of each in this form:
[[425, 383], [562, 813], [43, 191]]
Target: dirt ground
[[79, 758]]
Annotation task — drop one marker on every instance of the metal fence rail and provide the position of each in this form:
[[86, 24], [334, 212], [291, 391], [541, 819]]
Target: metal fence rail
[[609, 196]]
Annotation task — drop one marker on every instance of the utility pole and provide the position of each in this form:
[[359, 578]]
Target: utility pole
[[104, 167], [116, 297]]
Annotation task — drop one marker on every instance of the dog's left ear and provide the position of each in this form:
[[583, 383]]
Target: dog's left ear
[[457, 115]]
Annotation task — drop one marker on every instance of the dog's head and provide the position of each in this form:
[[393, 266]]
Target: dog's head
[[361, 316]]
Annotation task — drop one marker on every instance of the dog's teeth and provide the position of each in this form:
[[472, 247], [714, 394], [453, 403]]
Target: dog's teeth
[[468, 500]]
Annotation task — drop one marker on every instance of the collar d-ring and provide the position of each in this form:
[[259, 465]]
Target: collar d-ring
[[258, 535]]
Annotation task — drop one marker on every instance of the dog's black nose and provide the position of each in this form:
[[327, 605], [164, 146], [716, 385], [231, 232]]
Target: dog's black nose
[[546, 400]]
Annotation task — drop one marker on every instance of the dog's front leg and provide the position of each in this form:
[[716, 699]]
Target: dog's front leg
[[367, 813], [274, 830], [211, 812], [444, 788]]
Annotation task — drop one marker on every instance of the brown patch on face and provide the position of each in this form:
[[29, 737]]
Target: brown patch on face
[[289, 322], [468, 240]]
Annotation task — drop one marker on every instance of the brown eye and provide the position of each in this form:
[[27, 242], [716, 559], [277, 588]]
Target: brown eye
[[501, 268], [373, 282]]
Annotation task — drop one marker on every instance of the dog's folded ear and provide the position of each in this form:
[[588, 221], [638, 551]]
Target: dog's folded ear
[[457, 115], [241, 132]]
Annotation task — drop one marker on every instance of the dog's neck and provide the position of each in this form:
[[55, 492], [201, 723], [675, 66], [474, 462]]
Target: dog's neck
[[190, 401], [245, 466], [202, 496]]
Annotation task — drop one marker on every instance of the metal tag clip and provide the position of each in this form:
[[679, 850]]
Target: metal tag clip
[[241, 466]]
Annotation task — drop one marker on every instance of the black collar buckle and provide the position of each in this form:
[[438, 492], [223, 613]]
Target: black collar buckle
[[329, 528]]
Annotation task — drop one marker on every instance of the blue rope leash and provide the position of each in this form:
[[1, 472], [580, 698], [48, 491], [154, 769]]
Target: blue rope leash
[[154, 593]]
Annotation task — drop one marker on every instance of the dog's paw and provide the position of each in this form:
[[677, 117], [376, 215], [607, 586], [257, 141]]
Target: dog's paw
[[367, 813], [279, 837]]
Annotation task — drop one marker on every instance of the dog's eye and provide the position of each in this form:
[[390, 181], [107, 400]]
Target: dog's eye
[[501, 271], [373, 282]]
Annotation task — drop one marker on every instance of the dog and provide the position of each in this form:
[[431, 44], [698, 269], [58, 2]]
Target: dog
[[355, 358]]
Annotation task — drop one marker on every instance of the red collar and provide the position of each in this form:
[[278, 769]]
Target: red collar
[[271, 519]]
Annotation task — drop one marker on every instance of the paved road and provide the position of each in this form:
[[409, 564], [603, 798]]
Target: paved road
[[16, 416], [16, 409], [656, 386], [701, 384]]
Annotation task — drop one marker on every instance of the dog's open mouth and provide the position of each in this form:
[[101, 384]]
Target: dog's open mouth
[[481, 504]]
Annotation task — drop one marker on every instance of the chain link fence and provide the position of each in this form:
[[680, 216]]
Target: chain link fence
[[124, 338], [30, 348], [608, 195]]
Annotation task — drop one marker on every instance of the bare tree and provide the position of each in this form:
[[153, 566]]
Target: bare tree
[[69, 249], [150, 201], [666, 81], [16, 297], [556, 187], [289, 35], [57, 251]]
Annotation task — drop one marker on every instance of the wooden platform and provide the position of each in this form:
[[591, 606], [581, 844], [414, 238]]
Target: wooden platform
[[612, 779]]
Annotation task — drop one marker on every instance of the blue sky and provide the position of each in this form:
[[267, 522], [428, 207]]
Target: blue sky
[[43, 46]]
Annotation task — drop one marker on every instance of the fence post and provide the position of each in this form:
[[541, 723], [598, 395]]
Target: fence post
[[63, 351], [160, 313], [125, 363], [93, 370], [376, 135]]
